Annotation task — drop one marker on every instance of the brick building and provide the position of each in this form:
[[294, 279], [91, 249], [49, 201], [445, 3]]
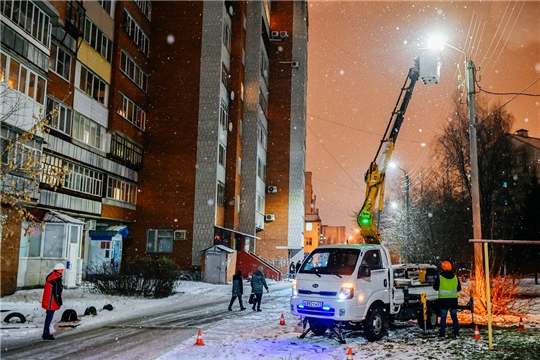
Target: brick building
[[182, 125]]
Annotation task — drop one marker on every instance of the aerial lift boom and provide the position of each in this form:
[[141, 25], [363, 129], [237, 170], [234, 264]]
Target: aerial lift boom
[[430, 64]]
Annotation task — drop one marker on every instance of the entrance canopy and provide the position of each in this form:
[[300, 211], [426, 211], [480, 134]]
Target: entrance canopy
[[109, 233], [57, 217]]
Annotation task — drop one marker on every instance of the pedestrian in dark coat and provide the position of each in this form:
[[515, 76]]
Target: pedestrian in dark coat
[[237, 290], [52, 298], [298, 264], [448, 286], [258, 282]]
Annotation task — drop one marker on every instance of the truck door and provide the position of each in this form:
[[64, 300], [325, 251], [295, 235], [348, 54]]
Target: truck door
[[373, 282]]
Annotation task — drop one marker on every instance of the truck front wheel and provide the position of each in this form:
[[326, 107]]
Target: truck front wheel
[[431, 319], [375, 324]]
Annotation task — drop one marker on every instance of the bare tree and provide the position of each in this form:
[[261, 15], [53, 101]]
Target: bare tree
[[22, 161]]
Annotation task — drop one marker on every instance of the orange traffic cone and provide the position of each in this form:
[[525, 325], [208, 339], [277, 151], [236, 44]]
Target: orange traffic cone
[[282, 320], [199, 341], [521, 325], [349, 354], [476, 335]]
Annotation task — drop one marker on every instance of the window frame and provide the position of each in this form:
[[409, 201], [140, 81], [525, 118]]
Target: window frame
[[157, 235]]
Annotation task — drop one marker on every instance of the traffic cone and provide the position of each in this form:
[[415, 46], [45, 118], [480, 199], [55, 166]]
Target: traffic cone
[[521, 325], [349, 354], [199, 341], [476, 335], [282, 320]]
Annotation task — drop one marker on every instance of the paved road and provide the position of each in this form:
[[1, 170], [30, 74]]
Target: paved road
[[144, 337]]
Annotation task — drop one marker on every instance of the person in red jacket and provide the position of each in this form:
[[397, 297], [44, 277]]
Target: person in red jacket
[[52, 298]]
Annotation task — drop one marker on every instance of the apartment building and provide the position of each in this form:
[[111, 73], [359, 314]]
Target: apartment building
[[182, 125]]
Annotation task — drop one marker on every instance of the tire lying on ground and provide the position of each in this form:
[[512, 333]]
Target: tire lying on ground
[[69, 315], [90, 311], [108, 307], [15, 317]]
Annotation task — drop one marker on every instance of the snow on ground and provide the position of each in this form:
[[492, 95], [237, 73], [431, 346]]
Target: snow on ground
[[251, 335]]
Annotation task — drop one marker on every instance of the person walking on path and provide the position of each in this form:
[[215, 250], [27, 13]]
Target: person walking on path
[[292, 270], [448, 286], [52, 298], [237, 290], [298, 264], [258, 282]]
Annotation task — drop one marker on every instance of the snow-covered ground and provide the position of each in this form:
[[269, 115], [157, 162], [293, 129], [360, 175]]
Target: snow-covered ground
[[249, 335]]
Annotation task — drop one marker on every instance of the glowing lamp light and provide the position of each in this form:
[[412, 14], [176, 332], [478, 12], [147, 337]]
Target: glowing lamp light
[[436, 42]]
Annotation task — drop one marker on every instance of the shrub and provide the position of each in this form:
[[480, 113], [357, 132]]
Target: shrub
[[141, 276]]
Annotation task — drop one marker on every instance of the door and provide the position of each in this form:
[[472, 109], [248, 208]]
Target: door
[[73, 255], [213, 267], [116, 256], [372, 279]]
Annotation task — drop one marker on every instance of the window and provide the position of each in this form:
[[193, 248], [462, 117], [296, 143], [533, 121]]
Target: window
[[59, 116], [131, 112], [239, 166], [220, 194], [262, 136], [221, 154], [225, 76], [124, 149], [223, 114], [227, 36], [29, 17], [136, 34], [106, 5], [121, 190], [238, 203], [309, 241], [88, 131], [93, 85], [263, 102], [52, 168], [23, 79], [83, 179], [106, 247], [261, 169], [331, 261], [159, 241], [22, 154], [264, 66], [372, 259], [75, 16], [53, 241], [260, 203], [23, 47], [60, 61], [146, 7], [97, 39], [309, 226], [133, 71]]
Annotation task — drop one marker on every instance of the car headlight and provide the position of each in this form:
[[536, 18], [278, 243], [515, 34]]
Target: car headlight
[[346, 291]]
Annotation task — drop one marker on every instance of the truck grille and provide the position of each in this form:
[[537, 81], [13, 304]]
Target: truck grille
[[316, 311], [320, 293]]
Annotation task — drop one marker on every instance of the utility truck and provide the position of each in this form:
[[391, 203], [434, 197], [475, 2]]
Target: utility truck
[[340, 287]]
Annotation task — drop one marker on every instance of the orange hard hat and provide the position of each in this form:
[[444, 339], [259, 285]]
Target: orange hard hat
[[446, 265]]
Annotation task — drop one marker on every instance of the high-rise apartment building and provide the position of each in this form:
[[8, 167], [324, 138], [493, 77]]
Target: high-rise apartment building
[[182, 125]]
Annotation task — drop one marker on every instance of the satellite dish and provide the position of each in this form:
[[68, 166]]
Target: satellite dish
[[231, 11], [230, 126], [232, 95]]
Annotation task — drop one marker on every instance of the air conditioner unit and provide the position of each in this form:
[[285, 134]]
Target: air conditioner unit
[[272, 189], [275, 34], [283, 34], [295, 64], [269, 217], [90, 225], [180, 234]]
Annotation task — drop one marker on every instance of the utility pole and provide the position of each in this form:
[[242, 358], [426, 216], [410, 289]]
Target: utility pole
[[475, 189]]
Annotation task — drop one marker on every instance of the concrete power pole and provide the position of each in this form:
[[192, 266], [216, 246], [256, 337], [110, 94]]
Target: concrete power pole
[[475, 188]]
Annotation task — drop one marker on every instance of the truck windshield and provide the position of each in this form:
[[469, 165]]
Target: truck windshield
[[336, 261]]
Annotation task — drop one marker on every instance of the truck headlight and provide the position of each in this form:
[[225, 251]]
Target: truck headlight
[[294, 289], [346, 291]]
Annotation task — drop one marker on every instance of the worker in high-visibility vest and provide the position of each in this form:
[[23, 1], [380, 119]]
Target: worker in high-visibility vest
[[448, 286]]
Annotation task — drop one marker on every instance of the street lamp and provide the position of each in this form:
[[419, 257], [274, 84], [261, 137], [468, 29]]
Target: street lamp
[[439, 42]]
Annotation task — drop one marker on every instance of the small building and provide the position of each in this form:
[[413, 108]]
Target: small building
[[219, 264]]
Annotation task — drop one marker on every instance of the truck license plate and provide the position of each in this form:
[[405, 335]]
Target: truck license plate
[[314, 304]]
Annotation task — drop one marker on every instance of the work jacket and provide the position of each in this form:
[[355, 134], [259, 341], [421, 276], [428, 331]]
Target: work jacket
[[52, 292]]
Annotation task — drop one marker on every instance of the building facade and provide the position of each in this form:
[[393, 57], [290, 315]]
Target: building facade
[[181, 126]]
